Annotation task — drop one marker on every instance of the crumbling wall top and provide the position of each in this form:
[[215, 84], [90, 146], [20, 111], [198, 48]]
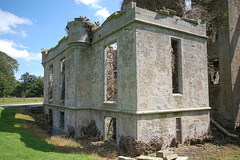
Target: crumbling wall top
[[166, 19], [77, 30], [129, 5], [81, 30]]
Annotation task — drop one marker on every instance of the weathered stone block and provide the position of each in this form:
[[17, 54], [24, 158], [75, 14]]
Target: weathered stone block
[[148, 158], [182, 158], [164, 153], [124, 158], [171, 157]]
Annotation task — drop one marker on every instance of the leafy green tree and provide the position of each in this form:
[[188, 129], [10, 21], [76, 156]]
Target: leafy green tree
[[8, 66], [36, 88], [17, 92], [26, 81], [29, 86]]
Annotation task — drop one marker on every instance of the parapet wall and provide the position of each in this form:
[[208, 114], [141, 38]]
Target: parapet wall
[[165, 19]]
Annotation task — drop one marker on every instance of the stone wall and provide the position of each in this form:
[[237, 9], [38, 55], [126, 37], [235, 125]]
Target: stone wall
[[234, 21], [224, 97], [155, 70], [193, 125], [126, 69], [145, 102]]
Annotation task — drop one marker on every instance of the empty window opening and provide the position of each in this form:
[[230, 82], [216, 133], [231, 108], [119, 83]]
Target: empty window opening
[[110, 129], [179, 130], [50, 87], [63, 78], [213, 70], [62, 120], [176, 61], [111, 72], [50, 117]]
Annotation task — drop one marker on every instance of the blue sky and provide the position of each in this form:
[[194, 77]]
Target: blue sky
[[26, 26]]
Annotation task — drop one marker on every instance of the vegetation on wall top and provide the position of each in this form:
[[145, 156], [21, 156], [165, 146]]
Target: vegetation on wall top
[[208, 10]]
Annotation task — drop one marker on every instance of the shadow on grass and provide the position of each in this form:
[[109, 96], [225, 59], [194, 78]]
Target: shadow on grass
[[92, 146], [8, 123]]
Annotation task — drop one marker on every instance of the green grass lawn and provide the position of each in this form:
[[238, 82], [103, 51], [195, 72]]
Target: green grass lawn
[[21, 100], [17, 142]]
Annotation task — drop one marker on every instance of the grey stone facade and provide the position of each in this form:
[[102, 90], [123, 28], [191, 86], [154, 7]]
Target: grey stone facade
[[146, 106], [225, 95]]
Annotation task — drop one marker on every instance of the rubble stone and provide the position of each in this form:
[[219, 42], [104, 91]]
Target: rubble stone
[[171, 157], [125, 158], [164, 153], [148, 158]]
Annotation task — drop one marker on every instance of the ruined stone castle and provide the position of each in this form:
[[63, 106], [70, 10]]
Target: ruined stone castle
[[142, 74]]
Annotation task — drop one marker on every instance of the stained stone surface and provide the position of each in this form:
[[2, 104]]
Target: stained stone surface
[[145, 108]]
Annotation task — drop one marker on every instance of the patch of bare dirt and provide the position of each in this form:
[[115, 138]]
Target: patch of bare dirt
[[209, 151], [220, 147], [134, 147]]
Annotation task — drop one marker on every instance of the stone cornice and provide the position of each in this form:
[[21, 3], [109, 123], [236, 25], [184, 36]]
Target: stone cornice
[[165, 111]]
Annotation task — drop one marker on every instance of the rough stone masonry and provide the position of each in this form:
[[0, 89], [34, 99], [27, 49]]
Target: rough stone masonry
[[141, 75]]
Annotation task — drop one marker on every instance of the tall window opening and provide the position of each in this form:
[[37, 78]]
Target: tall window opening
[[111, 72], [50, 118], [110, 129], [63, 78], [61, 120], [176, 66], [50, 87], [213, 71], [179, 130]]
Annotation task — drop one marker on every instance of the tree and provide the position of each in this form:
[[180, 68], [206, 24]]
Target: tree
[[26, 81], [36, 88], [29, 86], [8, 66], [17, 92]]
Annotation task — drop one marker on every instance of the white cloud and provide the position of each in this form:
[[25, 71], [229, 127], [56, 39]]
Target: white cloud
[[103, 13], [87, 2], [94, 5], [22, 46], [14, 51], [23, 34], [8, 21]]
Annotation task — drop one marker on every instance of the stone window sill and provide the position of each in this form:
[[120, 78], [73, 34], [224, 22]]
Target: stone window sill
[[177, 95], [110, 104], [61, 102], [214, 85]]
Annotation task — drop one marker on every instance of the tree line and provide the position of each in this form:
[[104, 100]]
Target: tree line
[[27, 86]]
